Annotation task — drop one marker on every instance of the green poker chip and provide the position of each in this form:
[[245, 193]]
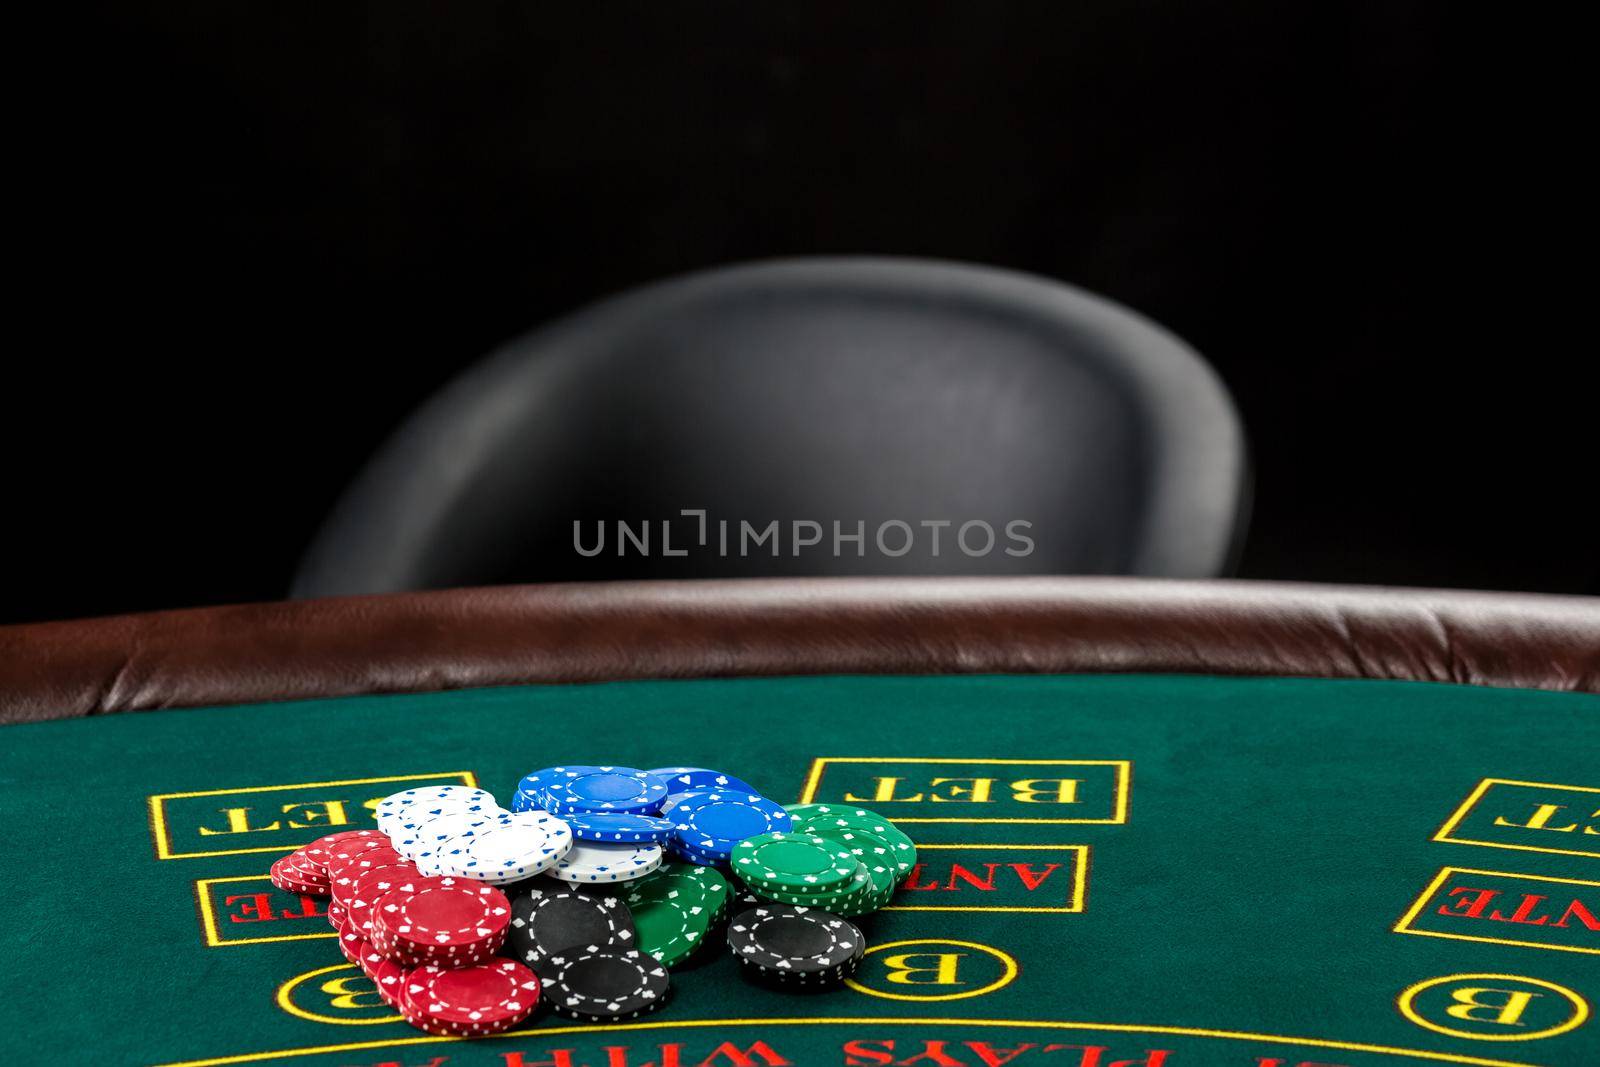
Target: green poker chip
[[799, 863], [669, 932], [903, 850], [875, 853], [857, 894], [673, 911], [801, 812], [681, 883]]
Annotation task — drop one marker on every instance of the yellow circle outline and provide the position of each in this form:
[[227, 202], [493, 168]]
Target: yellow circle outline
[[998, 983], [1578, 1016], [310, 1016]]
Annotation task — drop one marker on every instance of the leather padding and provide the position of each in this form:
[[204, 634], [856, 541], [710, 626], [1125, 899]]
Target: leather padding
[[730, 628]]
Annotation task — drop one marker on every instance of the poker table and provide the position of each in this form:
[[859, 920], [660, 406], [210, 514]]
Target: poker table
[[1159, 823]]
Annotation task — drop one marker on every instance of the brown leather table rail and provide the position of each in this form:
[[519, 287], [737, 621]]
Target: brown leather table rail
[[594, 632]]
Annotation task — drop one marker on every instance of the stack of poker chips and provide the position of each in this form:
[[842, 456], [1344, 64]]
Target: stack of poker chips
[[627, 822], [468, 1001], [802, 886], [844, 859], [595, 883], [460, 832], [694, 814], [790, 947], [428, 943]]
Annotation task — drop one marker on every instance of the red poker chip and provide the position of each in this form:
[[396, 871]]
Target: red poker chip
[[430, 1026], [370, 960], [319, 851], [422, 1022], [416, 956], [289, 880], [441, 918], [350, 863], [350, 846], [353, 946], [337, 916], [361, 926], [307, 871], [455, 956], [469, 1001], [348, 835], [387, 976], [299, 889], [380, 882], [357, 890], [468, 957], [304, 877], [317, 886], [378, 934], [376, 931], [347, 840], [344, 835]]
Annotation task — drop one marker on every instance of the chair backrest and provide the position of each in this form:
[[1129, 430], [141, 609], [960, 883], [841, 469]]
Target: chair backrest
[[890, 393]]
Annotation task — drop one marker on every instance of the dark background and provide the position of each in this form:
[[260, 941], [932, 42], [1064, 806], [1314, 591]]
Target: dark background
[[261, 233]]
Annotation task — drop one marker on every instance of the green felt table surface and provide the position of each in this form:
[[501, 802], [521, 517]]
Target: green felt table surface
[[1173, 870]]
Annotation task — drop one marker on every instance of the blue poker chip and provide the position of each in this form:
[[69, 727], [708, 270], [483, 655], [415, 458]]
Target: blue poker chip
[[699, 857], [698, 779], [527, 802], [713, 823], [674, 799], [620, 827], [533, 785], [603, 789]]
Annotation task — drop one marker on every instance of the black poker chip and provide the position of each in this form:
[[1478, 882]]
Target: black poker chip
[[786, 940], [791, 982], [785, 981], [545, 922], [599, 985], [781, 979]]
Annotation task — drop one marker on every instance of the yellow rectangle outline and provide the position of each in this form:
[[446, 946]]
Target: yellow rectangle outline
[[1404, 925], [1119, 816], [1080, 876], [1477, 794], [208, 915], [158, 819]]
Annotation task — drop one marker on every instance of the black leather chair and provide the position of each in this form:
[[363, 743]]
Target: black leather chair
[[852, 390]]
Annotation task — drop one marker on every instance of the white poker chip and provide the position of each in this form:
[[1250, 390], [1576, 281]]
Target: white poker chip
[[434, 835], [599, 861], [521, 845], [409, 807], [428, 863]]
